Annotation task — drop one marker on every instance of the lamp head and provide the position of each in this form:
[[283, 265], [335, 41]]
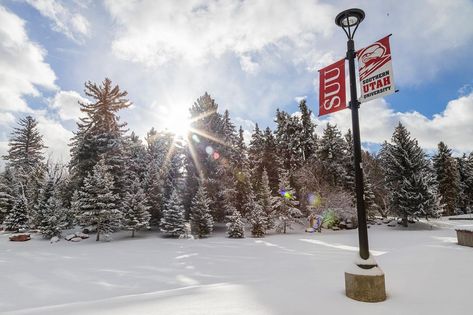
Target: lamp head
[[349, 19]]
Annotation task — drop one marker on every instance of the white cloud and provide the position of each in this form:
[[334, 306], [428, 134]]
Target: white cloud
[[22, 64], [156, 32], [55, 137], [73, 25], [6, 119], [377, 122], [66, 103]]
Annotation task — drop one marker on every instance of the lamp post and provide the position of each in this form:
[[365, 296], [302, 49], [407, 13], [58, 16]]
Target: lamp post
[[349, 20], [359, 285]]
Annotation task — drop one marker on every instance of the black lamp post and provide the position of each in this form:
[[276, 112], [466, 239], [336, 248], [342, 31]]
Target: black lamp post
[[349, 20]]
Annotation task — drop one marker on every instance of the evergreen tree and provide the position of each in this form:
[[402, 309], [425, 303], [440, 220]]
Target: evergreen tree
[[255, 157], [331, 155], [200, 217], [173, 220], [242, 174], [448, 178], [270, 160], [285, 204], [7, 195], [235, 225], [100, 135], [98, 203], [18, 219], [465, 169], [154, 192], [288, 139], [26, 146], [206, 151], [408, 177], [135, 211], [266, 202], [54, 217], [308, 140], [349, 165], [257, 217], [25, 156]]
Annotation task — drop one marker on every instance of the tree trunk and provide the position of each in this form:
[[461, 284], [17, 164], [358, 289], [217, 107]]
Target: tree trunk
[[98, 236], [133, 233], [404, 221], [284, 228]]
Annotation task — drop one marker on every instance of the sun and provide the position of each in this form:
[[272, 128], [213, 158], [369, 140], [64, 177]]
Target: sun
[[177, 121]]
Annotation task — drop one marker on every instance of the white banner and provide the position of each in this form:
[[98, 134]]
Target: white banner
[[375, 70]]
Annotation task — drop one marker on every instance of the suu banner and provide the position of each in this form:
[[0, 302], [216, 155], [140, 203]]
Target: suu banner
[[375, 70], [332, 97]]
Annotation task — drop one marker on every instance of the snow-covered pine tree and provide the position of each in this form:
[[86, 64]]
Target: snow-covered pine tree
[[135, 158], [200, 217], [235, 225], [331, 154], [308, 138], [255, 157], [285, 204], [135, 215], [25, 156], [7, 187], [465, 169], [154, 187], [409, 177], [257, 217], [54, 218], [26, 146], [98, 203], [448, 178], [18, 217], [270, 159], [205, 152], [173, 220], [100, 135], [288, 139], [241, 172], [266, 202]]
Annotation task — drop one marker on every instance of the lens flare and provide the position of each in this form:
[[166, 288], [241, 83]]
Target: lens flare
[[209, 150]]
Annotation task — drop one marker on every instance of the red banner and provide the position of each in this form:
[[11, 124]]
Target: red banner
[[376, 71], [332, 97]]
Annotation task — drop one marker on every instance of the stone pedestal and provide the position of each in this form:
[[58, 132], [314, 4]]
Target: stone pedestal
[[366, 285]]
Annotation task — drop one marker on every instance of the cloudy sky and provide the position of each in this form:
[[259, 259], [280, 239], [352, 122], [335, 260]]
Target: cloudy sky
[[252, 56]]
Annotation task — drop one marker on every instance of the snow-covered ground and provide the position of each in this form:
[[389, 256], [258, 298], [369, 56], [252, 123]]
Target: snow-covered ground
[[299, 273]]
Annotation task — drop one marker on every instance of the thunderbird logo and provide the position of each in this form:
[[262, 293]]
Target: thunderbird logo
[[372, 58]]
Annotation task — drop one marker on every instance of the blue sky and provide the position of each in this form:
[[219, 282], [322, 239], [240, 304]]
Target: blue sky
[[251, 56]]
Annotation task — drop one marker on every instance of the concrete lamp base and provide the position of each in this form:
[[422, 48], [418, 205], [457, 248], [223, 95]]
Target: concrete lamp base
[[365, 285]]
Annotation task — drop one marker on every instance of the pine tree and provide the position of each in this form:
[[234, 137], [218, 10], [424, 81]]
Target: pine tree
[[100, 135], [242, 174], [409, 177], [266, 202], [235, 225], [54, 217], [288, 139], [25, 156], [200, 217], [257, 217], [255, 157], [270, 160], [331, 155], [173, 220], [135, 211], [7, 198], [448, 178], [98, 203], [205, 152], [26, 146], [18, 219], [154, 190], [285, 204], [465, 169], [308, 140]]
